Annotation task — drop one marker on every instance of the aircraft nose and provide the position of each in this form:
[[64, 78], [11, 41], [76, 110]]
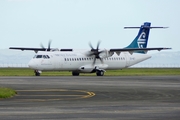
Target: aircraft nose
[[32, 64]]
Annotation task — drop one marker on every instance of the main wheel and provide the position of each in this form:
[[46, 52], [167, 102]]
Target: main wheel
[[100, 73], [74, 73]]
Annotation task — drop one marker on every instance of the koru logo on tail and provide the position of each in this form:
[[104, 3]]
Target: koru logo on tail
[[141, 40]]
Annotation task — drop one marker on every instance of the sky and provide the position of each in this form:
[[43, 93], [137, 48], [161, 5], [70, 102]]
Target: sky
[[75, 23]]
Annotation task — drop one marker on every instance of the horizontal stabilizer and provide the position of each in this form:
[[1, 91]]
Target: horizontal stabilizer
[[144, 27]]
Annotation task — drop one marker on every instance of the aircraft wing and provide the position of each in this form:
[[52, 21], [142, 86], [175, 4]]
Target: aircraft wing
[[21, 48], [131, 50], [40, 49], [34, 49]]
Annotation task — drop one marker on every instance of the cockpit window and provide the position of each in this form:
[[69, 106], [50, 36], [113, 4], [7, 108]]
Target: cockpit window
[[34, 56], [39, 56], [47, 56], [42, 56]]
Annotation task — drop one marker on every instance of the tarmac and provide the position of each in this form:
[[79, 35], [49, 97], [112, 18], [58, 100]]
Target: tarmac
[[92, 97]]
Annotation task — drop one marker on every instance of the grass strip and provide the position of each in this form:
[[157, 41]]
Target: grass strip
[[123, 72], [6, 92]]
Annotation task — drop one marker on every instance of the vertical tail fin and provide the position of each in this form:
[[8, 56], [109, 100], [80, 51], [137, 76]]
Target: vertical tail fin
[[141, 39]]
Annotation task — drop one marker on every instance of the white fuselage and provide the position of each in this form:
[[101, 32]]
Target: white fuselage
[[78, 61]]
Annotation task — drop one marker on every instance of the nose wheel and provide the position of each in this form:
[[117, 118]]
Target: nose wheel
[[37, 73]]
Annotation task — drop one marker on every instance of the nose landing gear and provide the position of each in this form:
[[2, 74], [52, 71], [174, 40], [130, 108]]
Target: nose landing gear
[[37, 73]]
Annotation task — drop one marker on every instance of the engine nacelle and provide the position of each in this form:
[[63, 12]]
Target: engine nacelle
[[106, 54], [86, 68], [54, 49], [90, 68]]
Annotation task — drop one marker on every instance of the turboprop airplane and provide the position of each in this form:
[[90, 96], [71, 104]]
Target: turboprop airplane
[[92, 60]]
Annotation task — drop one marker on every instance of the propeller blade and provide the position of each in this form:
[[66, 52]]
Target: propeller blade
[[42, 46], [98, 45], [91, 45], [94, 61], [101, 60], [49, 45]]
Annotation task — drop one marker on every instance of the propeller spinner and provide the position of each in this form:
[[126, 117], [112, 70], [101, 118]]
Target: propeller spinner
[[95, 52]]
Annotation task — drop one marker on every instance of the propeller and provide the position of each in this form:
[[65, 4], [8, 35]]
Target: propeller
[[49, 46], [95, 52]]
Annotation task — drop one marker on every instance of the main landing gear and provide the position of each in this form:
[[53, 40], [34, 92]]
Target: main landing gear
[[100, 73], [75, 73]]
